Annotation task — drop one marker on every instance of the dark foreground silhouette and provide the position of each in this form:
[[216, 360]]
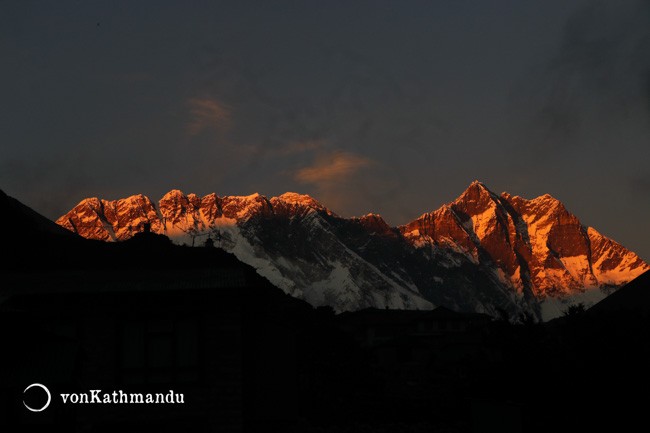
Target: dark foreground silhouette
[[147, 317]]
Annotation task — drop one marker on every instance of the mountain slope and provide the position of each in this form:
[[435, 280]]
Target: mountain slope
[[481, 252], [535, 248]]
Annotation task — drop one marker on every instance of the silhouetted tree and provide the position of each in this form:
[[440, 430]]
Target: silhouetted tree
[[574, 310]]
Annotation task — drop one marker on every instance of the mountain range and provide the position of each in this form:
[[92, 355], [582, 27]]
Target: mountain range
[[483, 252]]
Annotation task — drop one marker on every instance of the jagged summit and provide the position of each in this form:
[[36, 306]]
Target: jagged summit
[[477, 184], [175, 213], [300, 199], [480, 252], [174, 194], [536, 247], [375, 224]]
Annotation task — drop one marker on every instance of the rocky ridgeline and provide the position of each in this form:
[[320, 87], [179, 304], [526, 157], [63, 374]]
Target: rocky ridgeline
[[482, 252]]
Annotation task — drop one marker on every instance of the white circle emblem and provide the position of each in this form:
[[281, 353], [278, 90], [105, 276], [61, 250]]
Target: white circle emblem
[[49, 397]]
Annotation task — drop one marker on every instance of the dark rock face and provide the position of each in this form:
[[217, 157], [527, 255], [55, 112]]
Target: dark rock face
[[481, 252]]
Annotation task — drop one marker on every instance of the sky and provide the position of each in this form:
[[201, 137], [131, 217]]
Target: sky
[[382, 107]]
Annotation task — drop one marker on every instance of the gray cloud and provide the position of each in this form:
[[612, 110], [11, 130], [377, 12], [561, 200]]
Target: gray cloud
[[598, 76]]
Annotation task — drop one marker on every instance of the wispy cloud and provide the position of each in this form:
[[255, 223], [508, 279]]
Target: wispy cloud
[[207, 114], [332, 168], [338, 179]]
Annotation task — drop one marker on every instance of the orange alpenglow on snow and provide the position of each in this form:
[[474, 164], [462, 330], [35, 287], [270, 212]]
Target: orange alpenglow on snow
[[531, 255]]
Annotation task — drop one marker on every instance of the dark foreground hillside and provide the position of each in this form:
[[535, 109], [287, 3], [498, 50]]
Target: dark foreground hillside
[[147, 317]]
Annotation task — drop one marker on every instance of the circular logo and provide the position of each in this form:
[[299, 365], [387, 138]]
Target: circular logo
[[47, 391]]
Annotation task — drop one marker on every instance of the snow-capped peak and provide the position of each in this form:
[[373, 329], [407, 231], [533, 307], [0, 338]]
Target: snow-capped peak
[[303, 199], [478, 251], [174, 193], [475, 198]]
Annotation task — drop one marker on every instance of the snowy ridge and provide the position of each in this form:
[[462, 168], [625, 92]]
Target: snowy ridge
[[481, 252], [563, 261]]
